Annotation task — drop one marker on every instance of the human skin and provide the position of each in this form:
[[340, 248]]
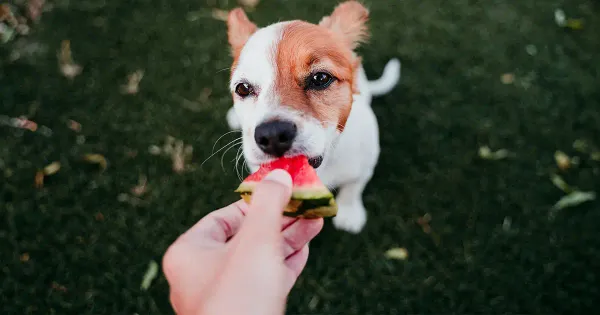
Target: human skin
[[241, 259]]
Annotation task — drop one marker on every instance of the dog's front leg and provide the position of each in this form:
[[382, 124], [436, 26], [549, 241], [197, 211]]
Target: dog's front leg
[[352, 215]]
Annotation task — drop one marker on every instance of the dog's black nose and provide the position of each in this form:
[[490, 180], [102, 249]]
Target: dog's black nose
[[275, 137]]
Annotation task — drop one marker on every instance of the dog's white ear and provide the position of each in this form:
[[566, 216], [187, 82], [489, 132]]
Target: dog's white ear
[[349, 21], [239, 29]]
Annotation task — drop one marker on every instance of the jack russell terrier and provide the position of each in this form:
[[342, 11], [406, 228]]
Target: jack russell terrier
[[299, 88]]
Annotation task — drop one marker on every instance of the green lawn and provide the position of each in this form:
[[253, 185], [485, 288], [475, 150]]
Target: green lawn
[[78, 246]]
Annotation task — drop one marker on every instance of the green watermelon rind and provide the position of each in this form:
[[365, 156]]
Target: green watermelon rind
[[306, 208]]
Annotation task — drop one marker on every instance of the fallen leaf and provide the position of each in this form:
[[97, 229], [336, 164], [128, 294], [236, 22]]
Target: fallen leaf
[[507, 78], [531, 50], [563, 161], [220, 15], [133, 82], [560, 183], [140, 188], [178, 157], [487, 154], [73, 125], [7, 15], [506, 224], [99, 216], [96, 159], [573, 199], [574, 24], [52, 168], [39, 179], [559, 17], [6, 33], [24, 123], [168, 146], [154, 150], [65, 61], [399, 253], [58, 287], [149, 276], [561, 20], [34, 9], [581, 146], [123, 197], [424, 223]]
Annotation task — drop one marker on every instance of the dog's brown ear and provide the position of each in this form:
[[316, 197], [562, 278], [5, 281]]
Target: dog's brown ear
[[349, 21], [239, 29]]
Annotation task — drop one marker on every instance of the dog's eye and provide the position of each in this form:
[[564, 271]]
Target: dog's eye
[[320, 81], [244, 89]]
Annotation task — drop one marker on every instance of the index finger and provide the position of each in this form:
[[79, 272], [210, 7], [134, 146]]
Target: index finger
[[268, 202]]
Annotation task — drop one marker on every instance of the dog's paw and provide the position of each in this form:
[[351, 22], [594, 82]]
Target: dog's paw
[[232, 120], [351, 218]]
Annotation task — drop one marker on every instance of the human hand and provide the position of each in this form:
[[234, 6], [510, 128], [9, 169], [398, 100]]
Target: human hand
[[241, 259]]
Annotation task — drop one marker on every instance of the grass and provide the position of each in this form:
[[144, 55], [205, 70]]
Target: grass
[[87, 252]]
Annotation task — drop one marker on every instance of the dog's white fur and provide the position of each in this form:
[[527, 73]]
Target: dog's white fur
[[349, 158]]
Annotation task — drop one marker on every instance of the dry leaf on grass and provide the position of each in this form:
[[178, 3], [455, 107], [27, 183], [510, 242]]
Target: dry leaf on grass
[[58, 287], [39, 179], [573, 199], [424, 223], [48, 170], [96, 159], [133, 82], [141, 187], [65, 61], [399, 253], [487, 154], [99, 216], [561, 20], [52, 168], [73, 125], [563, 161], [560, 183], [149, 276], [581, 146], [507, 78], [34, 9], [24, 123]]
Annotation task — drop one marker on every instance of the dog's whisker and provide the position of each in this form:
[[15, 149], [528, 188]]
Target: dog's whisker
[[227, 68], [214, 145], [232, 143], [244, 167], [225, 152], [239, 155]]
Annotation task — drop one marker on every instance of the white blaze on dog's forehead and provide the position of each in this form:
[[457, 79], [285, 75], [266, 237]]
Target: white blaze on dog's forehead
[[256, 63]]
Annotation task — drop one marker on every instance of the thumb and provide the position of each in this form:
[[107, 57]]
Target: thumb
[[263, 219]]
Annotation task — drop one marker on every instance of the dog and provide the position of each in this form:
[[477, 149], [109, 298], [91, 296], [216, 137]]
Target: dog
[[300, 88]]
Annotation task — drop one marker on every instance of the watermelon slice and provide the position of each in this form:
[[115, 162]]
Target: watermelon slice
[[310, 197]]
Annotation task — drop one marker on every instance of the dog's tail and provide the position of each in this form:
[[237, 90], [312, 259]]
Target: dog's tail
[[387, 81]]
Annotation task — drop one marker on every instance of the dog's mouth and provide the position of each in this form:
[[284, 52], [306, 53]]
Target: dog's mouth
[[316, 161]]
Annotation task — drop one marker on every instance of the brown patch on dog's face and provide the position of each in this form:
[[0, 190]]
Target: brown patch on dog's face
[[305, 51], [308, 50]]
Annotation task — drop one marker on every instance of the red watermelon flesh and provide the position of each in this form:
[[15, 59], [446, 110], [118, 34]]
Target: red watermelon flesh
[[310, 197]]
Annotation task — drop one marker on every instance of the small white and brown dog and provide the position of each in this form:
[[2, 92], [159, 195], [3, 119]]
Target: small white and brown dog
[[299, 88]]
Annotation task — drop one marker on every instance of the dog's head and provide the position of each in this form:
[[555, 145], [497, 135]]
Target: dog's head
[[293, 82]]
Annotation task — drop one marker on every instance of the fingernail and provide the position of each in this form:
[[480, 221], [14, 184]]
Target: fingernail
[[280, 176]]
